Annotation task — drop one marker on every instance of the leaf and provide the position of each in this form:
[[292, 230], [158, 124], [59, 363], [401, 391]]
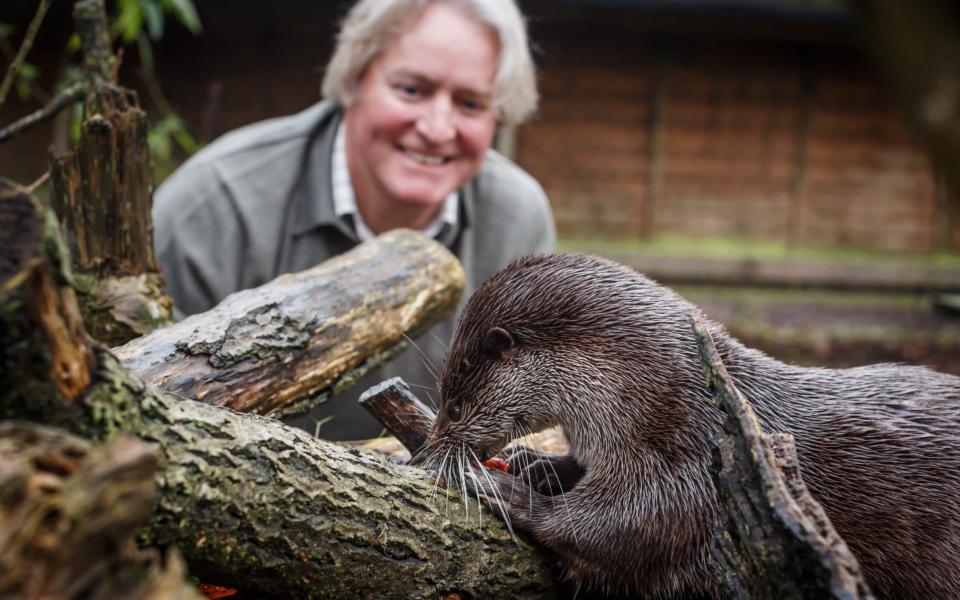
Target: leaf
[[76, 122], [186, 13], [186, 141], [27, 71], [153, 17], [130, 20], [73, 43], [159, 139], [23, 90], [146, 52]]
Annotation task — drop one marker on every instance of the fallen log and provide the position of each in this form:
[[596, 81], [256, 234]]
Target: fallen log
[[68, 514], [776, 541], [286, 346], [250, 502]]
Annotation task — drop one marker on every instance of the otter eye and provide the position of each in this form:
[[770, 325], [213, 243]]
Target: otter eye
[[454, 412]]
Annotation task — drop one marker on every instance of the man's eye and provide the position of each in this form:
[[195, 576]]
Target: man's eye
[[472, 104], [454, 413], [409, 90]]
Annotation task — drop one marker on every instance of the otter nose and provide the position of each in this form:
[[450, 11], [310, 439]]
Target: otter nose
[[436, 121]]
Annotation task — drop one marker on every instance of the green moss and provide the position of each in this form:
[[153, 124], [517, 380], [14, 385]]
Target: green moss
[[739, 249], [112, 404]]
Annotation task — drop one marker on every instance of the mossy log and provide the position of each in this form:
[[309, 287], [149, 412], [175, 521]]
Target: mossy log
[[250, 502], [776, 540], [103, 192], [283, 347], [68, 513]]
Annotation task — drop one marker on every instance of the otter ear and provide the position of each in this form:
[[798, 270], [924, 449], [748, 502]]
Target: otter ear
[[498, 343]]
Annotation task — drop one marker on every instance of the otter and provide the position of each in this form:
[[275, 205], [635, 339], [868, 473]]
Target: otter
[[610, 356]]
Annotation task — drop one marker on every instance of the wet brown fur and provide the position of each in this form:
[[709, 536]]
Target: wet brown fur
[[610, 356]]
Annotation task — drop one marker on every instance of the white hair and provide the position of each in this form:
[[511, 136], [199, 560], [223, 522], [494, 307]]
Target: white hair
[[371, 25]]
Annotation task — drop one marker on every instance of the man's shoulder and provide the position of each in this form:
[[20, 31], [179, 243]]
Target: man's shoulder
[[248, 159], [257, 143]]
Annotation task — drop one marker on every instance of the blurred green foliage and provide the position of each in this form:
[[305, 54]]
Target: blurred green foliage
[[140, 22], [26, 73], [136, 24]]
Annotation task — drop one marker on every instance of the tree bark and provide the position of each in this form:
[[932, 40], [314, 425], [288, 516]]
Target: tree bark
[[102, 189], [288, 345], [251, 503], [777, 541], [68, 511], [44, 354]]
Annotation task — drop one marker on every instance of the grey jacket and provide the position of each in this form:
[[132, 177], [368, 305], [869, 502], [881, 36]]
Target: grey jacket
[[258, 203]]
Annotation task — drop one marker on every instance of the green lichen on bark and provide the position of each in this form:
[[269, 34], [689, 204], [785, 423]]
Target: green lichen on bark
[[120, 309], [112, 401]]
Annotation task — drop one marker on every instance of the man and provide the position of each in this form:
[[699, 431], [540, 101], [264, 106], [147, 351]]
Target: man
[[413, 94]]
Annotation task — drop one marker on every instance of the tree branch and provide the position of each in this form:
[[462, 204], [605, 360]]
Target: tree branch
[[24, 49], [68, 510], [64, 98]]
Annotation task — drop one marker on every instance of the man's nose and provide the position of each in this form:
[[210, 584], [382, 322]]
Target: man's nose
[[436, 122]]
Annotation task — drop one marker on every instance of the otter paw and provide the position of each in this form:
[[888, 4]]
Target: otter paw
[[507, 496], [549, 474]]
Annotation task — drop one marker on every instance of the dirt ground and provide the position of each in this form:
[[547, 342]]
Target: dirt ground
[[834, 328]]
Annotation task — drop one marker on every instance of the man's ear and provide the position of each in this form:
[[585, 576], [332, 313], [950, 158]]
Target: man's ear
[[499, 344]]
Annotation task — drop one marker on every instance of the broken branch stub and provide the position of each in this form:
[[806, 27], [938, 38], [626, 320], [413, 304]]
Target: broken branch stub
[[401, 412]]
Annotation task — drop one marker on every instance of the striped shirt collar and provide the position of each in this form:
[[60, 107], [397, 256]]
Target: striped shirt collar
[[345, 201]]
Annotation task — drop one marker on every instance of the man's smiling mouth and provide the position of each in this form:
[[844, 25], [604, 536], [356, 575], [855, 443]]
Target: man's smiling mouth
[[425, 159]]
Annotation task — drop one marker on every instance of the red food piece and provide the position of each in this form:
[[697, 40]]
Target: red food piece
[[215, 591], [497, 463]]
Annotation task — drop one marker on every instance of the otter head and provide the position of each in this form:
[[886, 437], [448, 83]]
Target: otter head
[[485, 394], [532, 341]]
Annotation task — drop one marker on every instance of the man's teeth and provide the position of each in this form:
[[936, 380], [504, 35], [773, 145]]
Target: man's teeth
[[426, 159]]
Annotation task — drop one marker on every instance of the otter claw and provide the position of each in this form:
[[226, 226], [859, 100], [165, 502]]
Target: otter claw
[[502, 492], [550, 474]]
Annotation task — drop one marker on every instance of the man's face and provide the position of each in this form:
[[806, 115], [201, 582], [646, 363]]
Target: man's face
[[423, 118]]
